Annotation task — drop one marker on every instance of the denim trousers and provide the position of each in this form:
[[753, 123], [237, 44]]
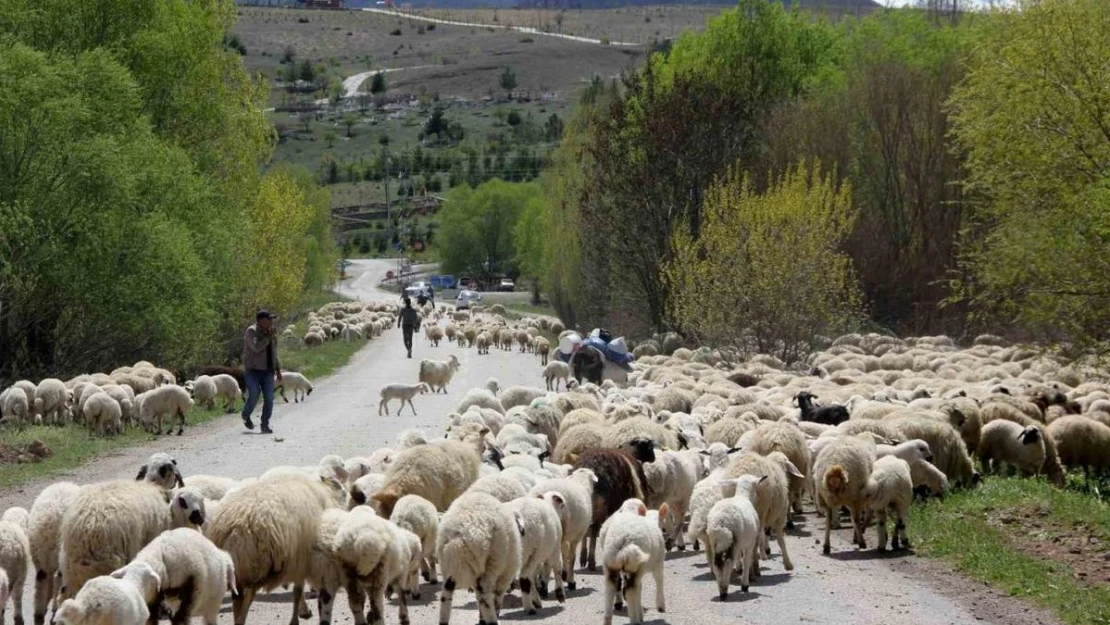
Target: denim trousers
[[259, 380]]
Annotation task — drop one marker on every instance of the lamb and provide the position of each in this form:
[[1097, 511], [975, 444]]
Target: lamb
[[733, 530], [108, 600], [295, 382], [542, 347], [1081, 442], [105, 526], [51, 400], [325, 573], [541, 539], [227, 387], [672, 478], [620, 476], [268, 528], [632, 545], [575, 514], [15, 556], [374, 553], [103, 415], [44, 525], [166, 400], [15, 407], [503, 488], [791, 441], [402, 392], [418, 515], [192, 570], [1007, 443], [204, 391], [161, 470], [480, 398], [889, 489], [437, 374], [841, 472], [478, 547], [518, 396], [438, 473], [554, 371], [773, 495]]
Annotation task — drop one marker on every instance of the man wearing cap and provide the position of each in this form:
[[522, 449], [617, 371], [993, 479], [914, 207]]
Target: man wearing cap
[[260, 367], [408, 321]]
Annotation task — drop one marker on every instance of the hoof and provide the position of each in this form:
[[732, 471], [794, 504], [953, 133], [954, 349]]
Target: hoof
[[560, 596], [531, 611], [618, 606], [723, 596], [882, 548], [826, 550], [572, 586], [415, 595], [789, 525], [744, 589], [427, 576]]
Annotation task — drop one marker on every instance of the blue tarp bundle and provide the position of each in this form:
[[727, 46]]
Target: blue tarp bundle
[[613, 357]]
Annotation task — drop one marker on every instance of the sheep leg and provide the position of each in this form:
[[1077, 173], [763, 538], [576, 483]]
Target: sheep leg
[[744, 563], [722, 571], [828, 529], [857, 525], [241, 604], [560, 592], [880, 529], [612, 596], [591, 561], [566, 571], [447, 595], [356, 599], [678, 537], [633, 585], [584, 553], [410, 406], [402, 599], [377, 601], [44, 590], [325, 601], [780, 535]]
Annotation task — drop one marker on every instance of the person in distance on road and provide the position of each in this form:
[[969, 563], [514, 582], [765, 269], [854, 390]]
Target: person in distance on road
[[408, 321], [260, 367]]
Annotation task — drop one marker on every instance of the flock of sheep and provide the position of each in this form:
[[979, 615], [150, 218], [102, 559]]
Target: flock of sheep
[[700, 448]]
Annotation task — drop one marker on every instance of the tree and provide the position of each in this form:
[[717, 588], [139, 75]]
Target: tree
[[306, 71], [553, 129], [1033, 115], [507, 81], [477, 227], [437, 125], [329, 139], [377, 84], [765, 273]]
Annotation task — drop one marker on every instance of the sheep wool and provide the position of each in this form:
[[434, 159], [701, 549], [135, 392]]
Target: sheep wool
[[632, 546], [1003, 442], [541, 538], [15, 559], [438, 473], [44, 526], [889, 490], [107, 600], [733, 530], [840, 473]]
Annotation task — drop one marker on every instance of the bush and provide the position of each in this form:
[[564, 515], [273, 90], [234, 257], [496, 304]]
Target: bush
[[396, 32], [765, 272]]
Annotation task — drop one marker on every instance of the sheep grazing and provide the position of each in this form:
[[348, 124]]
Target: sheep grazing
[[235, 372], [15, 407], [227, 388], [478, 547], [295, 382], [203, 391], [15, 556], [108, 600], [733, 530], [165, 401], [193, 572], [437, 374], [268, 528], [827, 415], [51, 399], [554, 371], [840, 473], [44, 525], [1007, 443], [103, 415], [1081, 442], [105, 526], [632, 546], [402, 392], [889, 490]]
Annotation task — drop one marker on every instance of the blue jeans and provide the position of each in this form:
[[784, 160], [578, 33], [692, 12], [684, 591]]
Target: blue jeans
[[259, 380]]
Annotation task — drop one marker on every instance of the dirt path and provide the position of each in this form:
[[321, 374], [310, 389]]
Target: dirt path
[[340, 417]]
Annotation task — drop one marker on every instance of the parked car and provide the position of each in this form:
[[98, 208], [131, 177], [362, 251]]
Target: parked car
[[506, 285], [466, 299]]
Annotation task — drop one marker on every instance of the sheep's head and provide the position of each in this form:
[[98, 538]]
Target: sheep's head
[[161, 469], [453, 363], [642, 449], [1030, 435], [188, 509], [143, 576]]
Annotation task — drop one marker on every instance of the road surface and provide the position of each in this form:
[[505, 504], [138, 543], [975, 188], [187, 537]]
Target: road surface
[[340, 417], [520, 29], [353, 82]]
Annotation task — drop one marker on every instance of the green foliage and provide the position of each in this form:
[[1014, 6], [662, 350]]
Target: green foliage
[[377, 83], [477, 227], [130, 185], [1033, 116], [769, 263], [507, 81]]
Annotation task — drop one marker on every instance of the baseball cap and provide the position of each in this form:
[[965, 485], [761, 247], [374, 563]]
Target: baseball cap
[[265, 314]]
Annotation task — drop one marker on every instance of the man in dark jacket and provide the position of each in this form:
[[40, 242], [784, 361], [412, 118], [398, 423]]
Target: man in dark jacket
[[260, 367], [408, 321]]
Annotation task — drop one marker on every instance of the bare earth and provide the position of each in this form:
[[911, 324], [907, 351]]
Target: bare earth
[[850, 587]]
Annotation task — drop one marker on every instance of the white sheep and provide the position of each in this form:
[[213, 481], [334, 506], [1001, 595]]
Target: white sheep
[[419, 516], [15, 558], [227, 388], [554, 371], [437, 374], [478, 547], [481, 398], [402, 392], [51, 401], [437, 472], [1007, 443], [103, 415], [15, 407], [840, 473], [374, 554], [44, 526], [167, 400], [577, 493], [105, 526], [672, 478], [268, 528], [889, 490], [192, 570], [107, 600], [733, 530], [295, 382], [518, 396], [501, 487], [204, 391], [632, 546], [325, 573], [210, 486], [161, 470]]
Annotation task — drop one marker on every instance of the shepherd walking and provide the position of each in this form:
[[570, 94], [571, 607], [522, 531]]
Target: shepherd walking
[[408, 321], [260, 366]]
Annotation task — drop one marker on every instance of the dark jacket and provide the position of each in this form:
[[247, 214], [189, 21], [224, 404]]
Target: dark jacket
[[255, 348], [408, 318]]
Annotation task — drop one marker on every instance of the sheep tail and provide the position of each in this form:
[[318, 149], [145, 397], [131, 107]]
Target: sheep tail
[[836, 480], [721, 540], [630, 558]]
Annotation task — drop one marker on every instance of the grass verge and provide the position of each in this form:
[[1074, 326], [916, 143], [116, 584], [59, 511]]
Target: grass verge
[[319, 361], [1028, 539], [530, 309]]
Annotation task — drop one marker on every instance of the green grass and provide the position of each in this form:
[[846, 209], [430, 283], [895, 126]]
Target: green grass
[[966, 530], [72, 446], [319, 361], [522, 308]]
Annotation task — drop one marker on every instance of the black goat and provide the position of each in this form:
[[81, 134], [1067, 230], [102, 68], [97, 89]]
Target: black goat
[[828, 415]]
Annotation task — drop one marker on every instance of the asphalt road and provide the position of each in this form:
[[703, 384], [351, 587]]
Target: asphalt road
[[848, 588]]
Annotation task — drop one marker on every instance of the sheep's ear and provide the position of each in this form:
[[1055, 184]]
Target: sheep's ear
[[557, 499], [142, 473], [683, 443], [664, 510], [732, 450], [765, 477], [544, 455], [791, 470], [642, 510], [119, 573], [703, 452], [180, 481]]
